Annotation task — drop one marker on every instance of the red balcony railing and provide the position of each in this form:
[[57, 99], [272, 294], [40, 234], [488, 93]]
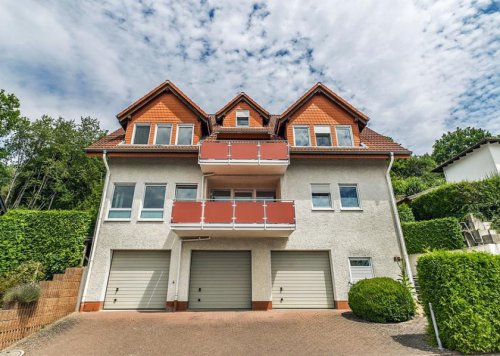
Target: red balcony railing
[[258, 151], [234, 214]]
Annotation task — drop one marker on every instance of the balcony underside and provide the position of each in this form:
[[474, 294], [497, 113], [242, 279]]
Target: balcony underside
[[243, 167], [229, 230]]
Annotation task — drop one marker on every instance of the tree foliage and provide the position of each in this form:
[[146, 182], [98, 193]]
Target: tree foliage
[[413, 175], [454, 142], [9, 118]]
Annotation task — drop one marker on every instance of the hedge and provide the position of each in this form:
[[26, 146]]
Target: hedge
[[437, 234], [405, 213], [54, 238], [464, 289], [458, 199]]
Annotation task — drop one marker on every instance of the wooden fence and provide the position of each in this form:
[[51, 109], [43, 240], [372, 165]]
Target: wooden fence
[[58, 299]]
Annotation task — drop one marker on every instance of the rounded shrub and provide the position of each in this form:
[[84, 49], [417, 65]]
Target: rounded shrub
[[24, 294], [381, 300]]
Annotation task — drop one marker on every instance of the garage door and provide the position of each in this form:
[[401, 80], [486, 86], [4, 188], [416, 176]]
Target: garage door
[[220, 280], [138, 280], [301, 280]]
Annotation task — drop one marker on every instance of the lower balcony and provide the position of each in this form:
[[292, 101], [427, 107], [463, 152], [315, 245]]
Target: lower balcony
[[233, 218]]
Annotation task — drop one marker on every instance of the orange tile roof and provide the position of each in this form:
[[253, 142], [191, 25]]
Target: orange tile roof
[[242, 97]]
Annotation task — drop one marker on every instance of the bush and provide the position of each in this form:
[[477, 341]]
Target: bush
[[26, 272], [24, 294], [54, 238], [437, 234], [481, 198], [405, 213], [464, 289], [381, 300]]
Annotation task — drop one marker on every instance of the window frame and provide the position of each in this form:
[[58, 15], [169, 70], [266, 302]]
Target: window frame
[[329, 133], [110, 207], [186, 184], [140, 218], [247, 116], [134, 132], [311, 186], [177, 133], [350, 132], [359, 258], [156, 134], [358, 208], [295, 136]]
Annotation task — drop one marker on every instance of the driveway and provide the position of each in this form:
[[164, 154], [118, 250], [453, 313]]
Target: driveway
[[226, 333]]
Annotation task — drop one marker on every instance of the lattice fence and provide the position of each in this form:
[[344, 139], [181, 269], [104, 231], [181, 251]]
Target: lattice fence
[[58, 299]]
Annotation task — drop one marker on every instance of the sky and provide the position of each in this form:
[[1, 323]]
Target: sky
[[416, 68]]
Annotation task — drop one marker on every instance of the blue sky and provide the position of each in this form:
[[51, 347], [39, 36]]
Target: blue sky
[[417, 68]]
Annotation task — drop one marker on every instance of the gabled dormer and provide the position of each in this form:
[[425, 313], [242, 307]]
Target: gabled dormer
[[242, 111]]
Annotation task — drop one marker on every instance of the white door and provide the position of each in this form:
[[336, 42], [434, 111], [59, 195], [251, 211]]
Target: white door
[[301, 279], [138, 280], [220, 280]]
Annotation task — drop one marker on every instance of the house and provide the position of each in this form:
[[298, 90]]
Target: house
[[242, 209], [475, 163]]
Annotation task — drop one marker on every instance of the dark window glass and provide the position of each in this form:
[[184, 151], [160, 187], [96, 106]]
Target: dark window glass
[[141, 135]]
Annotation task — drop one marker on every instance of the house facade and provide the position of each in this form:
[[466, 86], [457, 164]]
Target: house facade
[[478, 162], [242, 209]]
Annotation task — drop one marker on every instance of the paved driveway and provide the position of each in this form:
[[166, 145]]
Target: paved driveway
[[226, 333]]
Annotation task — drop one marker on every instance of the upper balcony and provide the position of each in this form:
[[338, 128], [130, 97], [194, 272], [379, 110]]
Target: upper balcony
[[233, 218], [245, 157]]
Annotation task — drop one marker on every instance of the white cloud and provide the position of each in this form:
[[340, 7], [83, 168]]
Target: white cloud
[[417, 69]]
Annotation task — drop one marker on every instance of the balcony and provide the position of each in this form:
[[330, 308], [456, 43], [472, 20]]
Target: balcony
[[233, 218], [249, 157]]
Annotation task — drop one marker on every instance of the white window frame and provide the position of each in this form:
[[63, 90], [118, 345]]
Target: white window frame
[[193, 184], [357, 192], [133, 133], [156, 132], [178, 129], [295, 136], [247, 115], [350, 132], [110, 206], [253, 190], [359, 258], [331, 197], [329, 132], [149, 209]]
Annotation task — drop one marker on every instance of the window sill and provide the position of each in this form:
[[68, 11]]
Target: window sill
[[151, 220], [323, 209], [117, 220], [351, 209]]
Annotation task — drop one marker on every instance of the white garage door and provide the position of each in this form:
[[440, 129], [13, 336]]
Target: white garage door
[[138, 280], [301, 279], [220, 280]]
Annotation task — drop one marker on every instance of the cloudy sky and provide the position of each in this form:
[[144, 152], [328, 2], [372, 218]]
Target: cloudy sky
[[416, 68]]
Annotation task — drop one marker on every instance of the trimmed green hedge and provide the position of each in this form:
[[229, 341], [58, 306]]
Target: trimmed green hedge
[[437, 234], [381, 300], [54, 238], [458, 199], [464, 289], [405, 213]]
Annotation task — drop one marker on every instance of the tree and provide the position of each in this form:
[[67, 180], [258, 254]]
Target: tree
[[454, 142], [413, 175]]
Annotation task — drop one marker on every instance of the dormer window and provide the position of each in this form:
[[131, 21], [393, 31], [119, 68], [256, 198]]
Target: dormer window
[[141, 134], [344, 136], [323, 135], [162, 134], [301, 136], [242, 118], [185, 135]]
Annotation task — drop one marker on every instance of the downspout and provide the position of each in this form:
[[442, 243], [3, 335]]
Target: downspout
[[397, 222], [98, 224]]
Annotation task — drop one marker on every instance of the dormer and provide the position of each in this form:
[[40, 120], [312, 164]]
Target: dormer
[[321, 118], [242, 112]]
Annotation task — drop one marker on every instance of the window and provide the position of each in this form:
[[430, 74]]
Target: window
[[323, 135], [141, 134], [220, 195], [242, 118], [243, 195], [321, 197], [266, 195], [186, 192], [154, 201], [185, 135], [349, 196], [121, 205], [163, 133], [360, 268], [301, 135], [344, 136]]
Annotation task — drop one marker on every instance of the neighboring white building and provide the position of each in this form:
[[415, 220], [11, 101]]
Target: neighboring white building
[[475, 163], [242, 209]]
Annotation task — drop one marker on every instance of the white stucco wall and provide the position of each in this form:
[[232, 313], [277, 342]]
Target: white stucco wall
[[479, 164], [369, 232]]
